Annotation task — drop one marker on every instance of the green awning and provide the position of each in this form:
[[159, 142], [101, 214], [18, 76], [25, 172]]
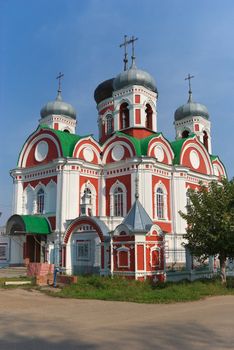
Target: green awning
[[28, 224]]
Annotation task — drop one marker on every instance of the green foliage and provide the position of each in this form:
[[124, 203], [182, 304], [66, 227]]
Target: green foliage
[[210, 219], [119, 289]]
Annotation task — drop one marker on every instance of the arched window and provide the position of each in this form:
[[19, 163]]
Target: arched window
[[160, 205], [148, 117], [66, 130], [205, 139], [109, 124], [118, 202], [185, 134], [40, 201], [124, 116]]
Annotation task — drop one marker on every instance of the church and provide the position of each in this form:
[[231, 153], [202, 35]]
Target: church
[[110, 206]]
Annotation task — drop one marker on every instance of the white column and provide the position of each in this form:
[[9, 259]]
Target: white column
[[116, 120], [145, 190], [17, 207], [102, 194]]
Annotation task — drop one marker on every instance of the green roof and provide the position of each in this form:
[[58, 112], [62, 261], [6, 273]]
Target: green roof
[[36, 224], [67, 140], [212, 157], [140, 145], [177, 146]]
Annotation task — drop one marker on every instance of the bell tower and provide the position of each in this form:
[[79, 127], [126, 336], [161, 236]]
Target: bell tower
[[193, 118]]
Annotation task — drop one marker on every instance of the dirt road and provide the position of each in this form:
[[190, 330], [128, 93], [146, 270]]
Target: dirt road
[[31, 320]]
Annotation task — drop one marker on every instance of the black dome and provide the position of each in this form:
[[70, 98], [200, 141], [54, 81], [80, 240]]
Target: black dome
[[104, 90]]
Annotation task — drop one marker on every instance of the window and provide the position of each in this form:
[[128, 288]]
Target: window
[[40, 201], [109, 124], [3, 251], [205, 139], [185, 134], [148, 117], [83, 250], [118, 202], [160, 203], [123, 257], [124, 116]]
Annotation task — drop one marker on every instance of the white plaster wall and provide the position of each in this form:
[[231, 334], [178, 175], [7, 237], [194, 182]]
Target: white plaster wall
[[16, 249], [67, 197]]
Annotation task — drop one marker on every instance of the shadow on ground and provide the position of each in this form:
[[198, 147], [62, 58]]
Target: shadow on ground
[[170, 336]]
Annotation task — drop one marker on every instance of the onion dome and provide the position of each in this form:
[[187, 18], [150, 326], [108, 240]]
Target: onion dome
[[191, 109], [58, 107], [104, 90], [134, 76]]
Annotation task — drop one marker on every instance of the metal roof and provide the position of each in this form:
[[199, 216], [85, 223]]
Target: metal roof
[[137, 218]]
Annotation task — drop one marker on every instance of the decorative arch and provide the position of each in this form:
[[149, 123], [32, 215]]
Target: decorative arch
[[166, 147], [117, 142], [30, 144], [88, 185], [200, 148], [84, 221], [89, 143], [118, 199], [155, 230]]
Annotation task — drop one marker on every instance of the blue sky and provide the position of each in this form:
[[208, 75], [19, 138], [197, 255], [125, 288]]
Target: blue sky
[[81, 38]]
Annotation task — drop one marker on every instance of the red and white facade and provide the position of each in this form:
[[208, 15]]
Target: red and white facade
[[86, 188]]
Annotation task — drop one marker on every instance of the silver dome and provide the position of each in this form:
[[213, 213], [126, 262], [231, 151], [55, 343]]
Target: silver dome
[[191, 109], [58, 107], [134, 76]]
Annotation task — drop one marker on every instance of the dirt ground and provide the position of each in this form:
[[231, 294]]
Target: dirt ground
[[31, 320]]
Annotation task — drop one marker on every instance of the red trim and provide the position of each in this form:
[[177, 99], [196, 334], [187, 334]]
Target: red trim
[[41, 132], [82, 221], [44, 181]]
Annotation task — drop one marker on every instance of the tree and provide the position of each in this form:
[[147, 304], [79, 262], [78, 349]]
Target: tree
[[210, 222]]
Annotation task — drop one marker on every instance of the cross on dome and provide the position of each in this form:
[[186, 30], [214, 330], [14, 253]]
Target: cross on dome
[[189, 77], [125, 44]]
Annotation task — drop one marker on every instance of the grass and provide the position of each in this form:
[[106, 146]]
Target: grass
[[118, 289]]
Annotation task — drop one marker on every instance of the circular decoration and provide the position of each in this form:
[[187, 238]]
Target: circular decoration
[[88, 154], [159, 153], [117, 152], [216, 171], [41, 151], [194, 159]]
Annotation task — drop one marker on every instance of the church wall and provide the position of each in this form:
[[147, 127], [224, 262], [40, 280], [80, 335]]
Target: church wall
[[126, 180]]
